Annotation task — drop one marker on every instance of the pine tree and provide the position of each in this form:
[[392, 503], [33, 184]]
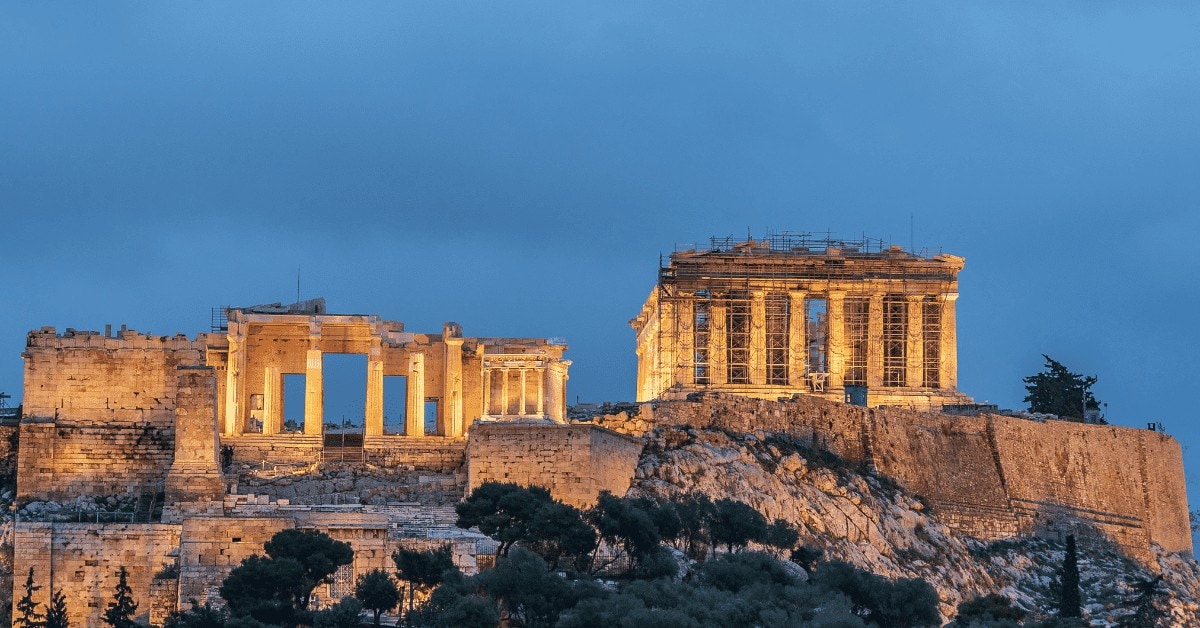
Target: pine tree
[[56, 613], [1069, 601], [27, 615], [121, 609]]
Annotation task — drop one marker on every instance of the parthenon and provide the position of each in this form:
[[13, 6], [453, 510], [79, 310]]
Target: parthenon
[[798, 313]]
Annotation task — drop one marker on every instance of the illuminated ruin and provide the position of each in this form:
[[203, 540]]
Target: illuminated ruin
[[798, 313]]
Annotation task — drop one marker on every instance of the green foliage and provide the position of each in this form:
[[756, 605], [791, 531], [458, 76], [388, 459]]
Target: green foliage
[[695, 511], [422, 569], [991, 610], [469, 611], [502, 511], [56, 612], [624, 523], [1146, 612], [377, 592], [197, 617], [528, 592], [736, 572], [734, 524], [781, 535], [1069, 604], [318, 554], [27, 614], [890, 604], [558, 530], [268, 590], [807, 557], [120, 611], [344, 614], [1059, 391]]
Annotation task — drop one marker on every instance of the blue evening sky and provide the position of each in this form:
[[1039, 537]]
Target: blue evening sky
[[519, 167]]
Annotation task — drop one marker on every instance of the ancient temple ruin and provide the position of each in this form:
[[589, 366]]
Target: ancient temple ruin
[[448, 375], [798, 313]]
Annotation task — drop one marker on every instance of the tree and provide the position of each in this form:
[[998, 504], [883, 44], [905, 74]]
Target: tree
[[344, 614], [28, 617], [734, 524], [422, 569], [317, 553], [377, 592], [119, 613], [1059, 391], [1068, 605], [197, 617], [56, 612], [623, 523], [992, 607], [781, 535], [266, 589], [502, 510]]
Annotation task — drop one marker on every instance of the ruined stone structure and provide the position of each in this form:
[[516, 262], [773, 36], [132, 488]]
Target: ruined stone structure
[[796, 313], [140, 420]]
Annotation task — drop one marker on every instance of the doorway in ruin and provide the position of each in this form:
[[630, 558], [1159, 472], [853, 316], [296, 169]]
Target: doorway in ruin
[[431, 415], [816, 322], [345, 393], [293, 403], [395, 403]]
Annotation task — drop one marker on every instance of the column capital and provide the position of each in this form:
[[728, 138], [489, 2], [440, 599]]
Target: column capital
[[914, 298], [948, 296]]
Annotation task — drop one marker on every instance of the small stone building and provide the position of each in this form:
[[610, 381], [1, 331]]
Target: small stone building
[[798, 313]]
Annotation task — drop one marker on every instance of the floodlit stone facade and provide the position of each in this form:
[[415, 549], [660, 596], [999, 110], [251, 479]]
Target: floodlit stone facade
[[131, 448], [795, 313]]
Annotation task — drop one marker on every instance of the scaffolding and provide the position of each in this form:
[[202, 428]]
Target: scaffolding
[[723, 314]]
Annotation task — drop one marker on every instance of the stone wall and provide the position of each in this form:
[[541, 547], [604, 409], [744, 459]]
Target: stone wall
[[61, 460], [992, 476], [99, 412], [83, 560], [575, 462], [430, 453]]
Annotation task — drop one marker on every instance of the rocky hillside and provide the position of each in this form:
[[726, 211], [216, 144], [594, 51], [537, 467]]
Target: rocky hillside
[[858, 516]]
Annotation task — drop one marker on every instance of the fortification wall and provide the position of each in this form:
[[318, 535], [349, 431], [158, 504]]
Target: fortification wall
[[992, 477], [100, 412], [83, 560], [61, 460], [575, 462]]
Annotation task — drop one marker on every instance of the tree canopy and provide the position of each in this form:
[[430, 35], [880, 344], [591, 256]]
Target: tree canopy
[[1057, 390]]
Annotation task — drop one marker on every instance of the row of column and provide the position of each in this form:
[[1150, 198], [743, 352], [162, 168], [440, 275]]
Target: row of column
[[548, 392], [549, 386], [678, 357]]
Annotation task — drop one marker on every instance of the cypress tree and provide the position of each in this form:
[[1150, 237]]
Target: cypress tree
[[56, 612], [1069, 601], [27, 615], [120, 611]]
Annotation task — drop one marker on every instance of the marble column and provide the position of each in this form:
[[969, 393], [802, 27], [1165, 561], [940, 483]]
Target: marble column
[[314, 391], [948, 351], [374, 411], [414, 424], [540, 381], [836, 316], [685, 370], [797, 341], [522, 408], [233, 371], [504, 409], [875, 341], [914, 350], [487, 391], [718, 347], [758, 337], [452, 381], [272, 400]]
